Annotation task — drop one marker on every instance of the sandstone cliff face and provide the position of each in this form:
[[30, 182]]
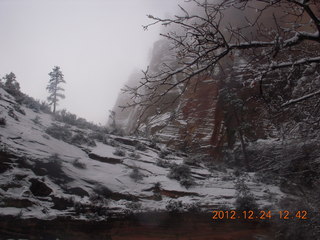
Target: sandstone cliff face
[[197, 121], [201, 120]]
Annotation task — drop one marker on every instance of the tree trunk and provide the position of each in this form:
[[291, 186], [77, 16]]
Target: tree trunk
[[244, 151]]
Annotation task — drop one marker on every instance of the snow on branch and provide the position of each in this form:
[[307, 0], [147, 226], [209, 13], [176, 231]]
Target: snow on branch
[[293, 101], [296, 63]]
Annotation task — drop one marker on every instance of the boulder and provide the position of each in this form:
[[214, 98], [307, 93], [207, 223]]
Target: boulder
[[39, 188]]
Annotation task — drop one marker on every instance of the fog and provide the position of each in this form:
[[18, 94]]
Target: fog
[[97, 44]]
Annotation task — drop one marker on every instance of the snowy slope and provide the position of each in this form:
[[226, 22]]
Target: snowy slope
[[44, 177]]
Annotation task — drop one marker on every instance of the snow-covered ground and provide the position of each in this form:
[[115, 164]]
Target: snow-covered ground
[[45, 177]]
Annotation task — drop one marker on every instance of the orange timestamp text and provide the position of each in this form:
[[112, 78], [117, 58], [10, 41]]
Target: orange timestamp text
[[256, 215]]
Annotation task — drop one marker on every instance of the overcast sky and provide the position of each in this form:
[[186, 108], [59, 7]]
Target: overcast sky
[[97, 44]]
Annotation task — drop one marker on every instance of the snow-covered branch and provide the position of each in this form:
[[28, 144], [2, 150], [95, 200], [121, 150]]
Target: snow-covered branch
[[300, 99]]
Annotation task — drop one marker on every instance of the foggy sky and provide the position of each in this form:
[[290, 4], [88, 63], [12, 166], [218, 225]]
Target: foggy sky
[[97, 44]]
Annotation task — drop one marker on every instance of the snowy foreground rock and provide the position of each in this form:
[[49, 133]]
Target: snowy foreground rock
[[44, 177]]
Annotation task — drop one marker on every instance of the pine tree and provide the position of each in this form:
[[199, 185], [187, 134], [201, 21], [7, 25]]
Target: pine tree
[[11, 85], [56, 78]]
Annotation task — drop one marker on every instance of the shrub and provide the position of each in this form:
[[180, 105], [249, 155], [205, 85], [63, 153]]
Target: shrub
[[113, 143], [182, 173], [96, 198], [186, 182], [72, 119], [134, 155], [136, 175], [31, 103], [66, 117], [11, 85], [119, 152], [179, 172], [193, 160], [193, 207], [102, 191], [163, 163], [153, 143], [99, 136], [141, 147], [79, 139], [92, 209], [174, 206], [134, 206], [52, 168], [3, 121], [163, 153], [45, 136], [76, 163], [59, 132], [117, 131], [245, 200], [18, 109], [36, 120], [13, 115], [44, 107], [157, 186]]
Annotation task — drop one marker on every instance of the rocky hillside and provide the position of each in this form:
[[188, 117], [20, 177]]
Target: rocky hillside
[[50, 169]]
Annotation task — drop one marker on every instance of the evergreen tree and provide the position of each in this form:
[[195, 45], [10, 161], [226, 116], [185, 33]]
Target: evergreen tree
[[56, 78], [11, 85]]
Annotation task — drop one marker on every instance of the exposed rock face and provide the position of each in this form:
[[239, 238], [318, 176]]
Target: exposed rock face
[[201, 120], [39, 189], [186, 124]]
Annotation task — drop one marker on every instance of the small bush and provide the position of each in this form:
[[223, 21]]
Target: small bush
[[163, 154], [136, 175], [157, 186], [102, 191], [134, 206], [45, 136], [113, 143], [91, 209], [154, 144], [245, 200], [72, 119], [163, 163], [119, 152], [117, 131], [13, 115], [51, 168], [76, 163], [79, 139], [18, 109], [59, 132], [31, 103], [179, 172], [193, 160], [96, 198], [193, 207], [99, 136], [44, 107], [36, 120], [186, 182], [174, 206], [141, 147], [66, 117], [3, 121], [182, 173], [134, 155]]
